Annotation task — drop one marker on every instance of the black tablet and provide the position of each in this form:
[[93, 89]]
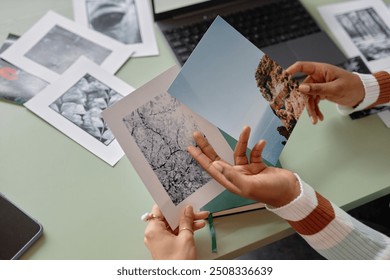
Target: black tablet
[[17, 230]]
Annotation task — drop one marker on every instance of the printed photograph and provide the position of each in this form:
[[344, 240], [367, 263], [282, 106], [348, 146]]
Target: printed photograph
[[117, 19], [355, 64], [154, 130], [83, 104], [281, 92], [74, 103], [55, 42], [129, 22], [163, 132], [17, 85], [368, 31], [60, 48], [233, 89]]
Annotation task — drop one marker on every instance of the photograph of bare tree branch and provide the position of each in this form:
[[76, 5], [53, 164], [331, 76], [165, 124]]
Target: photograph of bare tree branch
[[163, 132]]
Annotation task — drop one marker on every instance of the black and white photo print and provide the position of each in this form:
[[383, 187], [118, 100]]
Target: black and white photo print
[[117, 19], [163, 132], [368, 31], [60, 48], [129, 22], [83, 104], [54, 43], [74, 104]]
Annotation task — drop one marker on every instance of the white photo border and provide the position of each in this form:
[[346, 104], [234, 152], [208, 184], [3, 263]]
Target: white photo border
[[39, 104], [114, 118], [329, 12], [149, 46], [15, 54]]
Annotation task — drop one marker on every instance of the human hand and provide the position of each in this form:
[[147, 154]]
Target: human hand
[[325, 81], [164, 244], [250, 178]]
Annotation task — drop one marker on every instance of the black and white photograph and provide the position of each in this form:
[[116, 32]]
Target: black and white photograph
[[115, 18], [127, 21], [55, 42], [154, 129], [74, 103], [60, 48], [355, 64], [368, 32], [83, 104], [16, 85], [163, 131], [362, 29]]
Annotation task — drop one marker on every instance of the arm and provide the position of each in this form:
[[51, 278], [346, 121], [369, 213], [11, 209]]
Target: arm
[[331, 231], [327, 228], [377, 92], [351, 91]]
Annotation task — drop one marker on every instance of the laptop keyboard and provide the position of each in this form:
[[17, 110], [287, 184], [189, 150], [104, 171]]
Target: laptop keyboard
[[263, 26]]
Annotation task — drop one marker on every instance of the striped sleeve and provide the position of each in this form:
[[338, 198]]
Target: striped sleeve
[[331, 231], [377, 92]]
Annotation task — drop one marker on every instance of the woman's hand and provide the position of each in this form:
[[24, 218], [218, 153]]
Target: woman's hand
[[250, 178], [164, 244], [325, 81]]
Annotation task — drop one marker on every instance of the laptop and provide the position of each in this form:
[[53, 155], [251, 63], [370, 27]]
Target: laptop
[[283, 29]]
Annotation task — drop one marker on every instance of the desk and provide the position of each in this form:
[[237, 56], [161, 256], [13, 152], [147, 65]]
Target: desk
[[90, 210]]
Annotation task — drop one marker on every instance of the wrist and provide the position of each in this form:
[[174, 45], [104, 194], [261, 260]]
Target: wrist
[[291, 189]]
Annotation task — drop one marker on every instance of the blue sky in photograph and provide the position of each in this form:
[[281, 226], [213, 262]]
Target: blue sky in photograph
[[218, 82]]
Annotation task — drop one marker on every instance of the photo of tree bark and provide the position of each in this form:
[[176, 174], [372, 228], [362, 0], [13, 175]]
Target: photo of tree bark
[[83, 103], [163, 131]]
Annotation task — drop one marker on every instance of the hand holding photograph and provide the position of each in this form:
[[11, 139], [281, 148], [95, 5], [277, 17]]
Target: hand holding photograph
[[231, 83], [54, 43], [74, 103], [127, 21], [154, 130], [362, 29]]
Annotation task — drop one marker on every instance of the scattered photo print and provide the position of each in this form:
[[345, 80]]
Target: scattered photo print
[[355, 64], [368, 112], [11, 38], [83, 104], [368, 31], [161, 132], [17, 85], [117, 19], [60, 48]]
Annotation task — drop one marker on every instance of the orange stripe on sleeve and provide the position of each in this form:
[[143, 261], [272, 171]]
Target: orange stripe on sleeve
[[317, 220], [383, 79]]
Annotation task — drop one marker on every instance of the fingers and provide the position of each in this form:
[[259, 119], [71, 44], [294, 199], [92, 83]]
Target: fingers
[[255, 156], [240, 157], [205, 146], [186, 222], [305, 67]]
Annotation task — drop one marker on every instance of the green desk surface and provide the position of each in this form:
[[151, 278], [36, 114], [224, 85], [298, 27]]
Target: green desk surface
[[90, 210]]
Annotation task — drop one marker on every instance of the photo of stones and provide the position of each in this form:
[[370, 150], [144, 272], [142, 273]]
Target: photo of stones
[[163, 131], [83, 104]]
